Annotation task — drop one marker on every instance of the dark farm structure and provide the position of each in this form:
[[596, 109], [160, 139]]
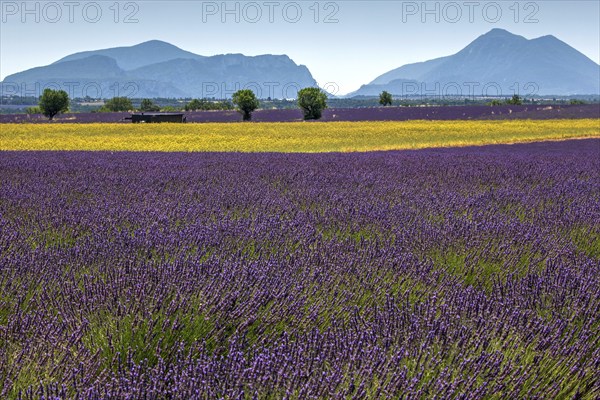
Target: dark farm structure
[[157, 117]]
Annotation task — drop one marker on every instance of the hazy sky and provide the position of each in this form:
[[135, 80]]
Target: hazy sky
[[345, 43]]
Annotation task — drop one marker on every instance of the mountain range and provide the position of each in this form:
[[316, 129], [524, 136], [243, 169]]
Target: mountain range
[[159, 69], [496, 63]]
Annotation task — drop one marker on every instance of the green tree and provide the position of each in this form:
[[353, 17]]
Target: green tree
[[53, 102], [193, 105], [495, 102], [33, 110], [199, 104], [385, 99], [246, 102], [204, 104], [148, 105], [117, 104], [515, 101], [225, 105], [312, 101]]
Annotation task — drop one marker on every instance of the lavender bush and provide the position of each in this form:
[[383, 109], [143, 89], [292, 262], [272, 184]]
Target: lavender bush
[[456, 273]]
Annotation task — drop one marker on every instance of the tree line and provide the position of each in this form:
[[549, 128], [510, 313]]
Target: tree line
[[311, 100]]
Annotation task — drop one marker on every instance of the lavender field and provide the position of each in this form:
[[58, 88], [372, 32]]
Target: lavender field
[[434, 113], [454, 273]]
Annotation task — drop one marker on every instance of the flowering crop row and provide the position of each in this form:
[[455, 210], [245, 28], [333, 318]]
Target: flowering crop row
[[449, 273], [287, 137]]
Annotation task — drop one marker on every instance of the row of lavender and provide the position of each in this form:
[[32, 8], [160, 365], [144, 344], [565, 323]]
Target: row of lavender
[[455, 273], [349, 114]]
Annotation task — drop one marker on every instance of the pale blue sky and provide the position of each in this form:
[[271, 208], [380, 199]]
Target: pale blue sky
[[361, 40]]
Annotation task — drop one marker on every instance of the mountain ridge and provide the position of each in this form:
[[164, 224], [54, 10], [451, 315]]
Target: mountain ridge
[[160, 69], [495, 63], [138, 55], [503, 61]]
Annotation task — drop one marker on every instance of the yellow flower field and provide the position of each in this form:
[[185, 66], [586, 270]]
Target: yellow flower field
[[288, 137]]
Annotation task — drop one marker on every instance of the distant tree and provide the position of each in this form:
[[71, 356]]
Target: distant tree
[[515, 101], [193, 105], [33, 110], [385, 99], [246, 102], [205, 104], [148, 106], [495, 102], [576, 102], [117, 104], [199, 104], [53, 102], [225, 105], [312, 101]]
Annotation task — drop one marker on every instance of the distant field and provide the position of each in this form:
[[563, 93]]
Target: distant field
[[295, 137], [438, 113]]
